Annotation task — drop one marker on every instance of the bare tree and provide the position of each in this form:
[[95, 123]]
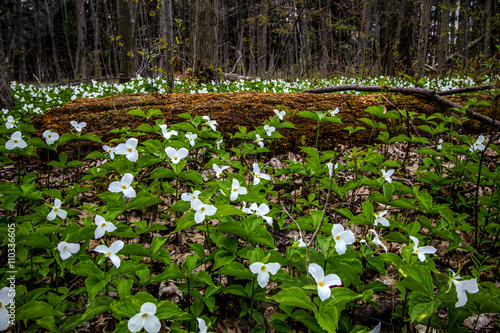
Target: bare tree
[[6, 100], [167, 34], [126, 32], [423, 36], [82, 71]]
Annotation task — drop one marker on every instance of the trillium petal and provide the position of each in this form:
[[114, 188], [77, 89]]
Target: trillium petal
[[21, 144], [101, 249], [182, 152], [52, 215], [255, 267], [427, 249], [210, 210], [136, 323], [324, 292], [116, 246], [127, 179], [170, 152], [115, 260], [471, 286], [4, 318], [317, 272], [377, 328], [121, 149], [9, 145], [415, 240], [202, 326], [262, 279], [132, 156], [337, 229], [348, 237], [152, 324], [148, 308], [62, 214], [268, 219], [73, 248], [340, 246], [109, 227], [273, 267], [99, 232], [332, 280], [199, 216], [64, 254], [115, 187], [132, 142], [129, 192]]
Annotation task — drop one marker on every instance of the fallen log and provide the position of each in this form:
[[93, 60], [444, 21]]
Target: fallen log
[[248, 109]]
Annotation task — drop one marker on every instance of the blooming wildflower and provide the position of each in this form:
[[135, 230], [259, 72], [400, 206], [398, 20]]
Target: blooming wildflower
[[331, 168], [342, 238], [57, 211], [202, 325], [66, 249], [123, 186], [300, 242], [218, 143], [269, 129], [145, 318], [236, 190], [190, 196], [102, 226], [377, 328], [334, 112], [387, 175], [462, 286], [50, 137], [111, 251], [376, 240], [202, 210], [176, 155], [244, 208], [262, 211], [478, 145], [128, 149], [218, 170], [379, 218], [78, 126], [191, 137], [10, 123], [280, 114], [257, 175], [422, 251], [211, 123], [109, 150], [439, 146], [259, 141], [167, 134], [16, 141], [263, 270], [6, 296], [324, 282], [5, 111]]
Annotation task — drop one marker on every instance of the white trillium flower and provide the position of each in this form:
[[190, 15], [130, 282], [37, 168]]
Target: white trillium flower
[[111, 251], [218, 170], [422, 251], [218, 143], [110, 151], [50, 137], [78, 126], [269, 129], [57, 211], [379, 218], [128, 149], [257, 175], [191, 137], [190, 196], [202, 210], [16, 141], [236, 190], [300, 242], [331, 168], [102, 226], [145, 319], [259, 141], [211, 123], [377, 240], [387, 175], [377, 328], [123, 186], [10, 123], [342, 238], [478, 145], [262, 211], [6, 296], [462, 286], [334, 112], [167, 134], [66, 249], [280, 114], [263, 271], [176, 155], [439, 146], [202, 326], [244, 208], [324, 282]]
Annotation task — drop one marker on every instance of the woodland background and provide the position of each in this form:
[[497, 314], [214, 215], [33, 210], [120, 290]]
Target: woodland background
[[63, 41]]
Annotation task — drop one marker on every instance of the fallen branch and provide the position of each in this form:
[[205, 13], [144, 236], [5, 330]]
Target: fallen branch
[[437, 96]]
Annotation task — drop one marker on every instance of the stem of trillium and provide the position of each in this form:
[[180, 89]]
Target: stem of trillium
[[189, 302], [317, 136], [251, 302]]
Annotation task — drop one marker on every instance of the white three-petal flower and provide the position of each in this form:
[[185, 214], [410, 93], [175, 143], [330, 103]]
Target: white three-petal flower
[[377, 240], [57, 211], [379, 218], [176, 155], [109, 150], [50, 137], [387, 175], [202, 210], [66, 249], [218, 170], [167, 134], [478, 145], [16, 141], [218, 143], [123, 186], [259, 141], [10, 123], [6, 296], [324, 282], [78, 126], [111, 251], [236, 190], [190, 196], [257, 175], [280, 114], [334, 112], [377, 328], [342, 238], [191, 137], [261, 211], [211, 123], [145, 318], [102, 226], [202, 326], [422, 251], [263, 270], [462, 286], [269, 129], [128, 149]]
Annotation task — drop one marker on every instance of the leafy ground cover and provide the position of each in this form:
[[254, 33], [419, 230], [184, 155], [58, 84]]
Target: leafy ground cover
[[188, 232]]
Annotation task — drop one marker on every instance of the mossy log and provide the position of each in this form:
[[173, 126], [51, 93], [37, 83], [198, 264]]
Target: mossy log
[[248, 109]]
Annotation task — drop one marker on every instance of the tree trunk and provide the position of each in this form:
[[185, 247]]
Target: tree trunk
[[127, 39], [167, 33], [40, 61], [81, 44], [262, 38], [443, 35], [204, 40], [50, 24], [423, 36], [6, 100], [19, 40], [94, 9]]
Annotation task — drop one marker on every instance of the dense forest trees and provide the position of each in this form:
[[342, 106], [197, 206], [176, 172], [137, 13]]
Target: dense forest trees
[[67, 41]]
